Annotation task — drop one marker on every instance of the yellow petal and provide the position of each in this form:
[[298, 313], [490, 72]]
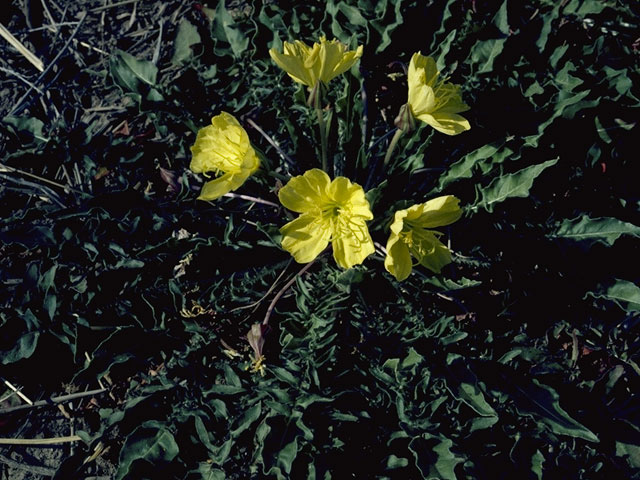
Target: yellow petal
[[422, 70], [448, 123], [398, 221], [251, 161], [305, 237], [437, 212], [450, 99], [352, 248], [351, 195], [321, 62], [348, 60], [433, 100], [335, 59], [221, 146], [422, 100], [293, 64], [398, 260], [224, 184], [306, 192]]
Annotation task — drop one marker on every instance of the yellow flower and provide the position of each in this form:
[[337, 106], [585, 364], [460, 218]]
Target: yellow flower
[[331, 211], [434, 101], [223, 147], [409, 237], [322, 62]]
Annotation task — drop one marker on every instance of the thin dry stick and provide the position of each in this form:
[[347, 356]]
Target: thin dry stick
[[271, 289], [156, 52], [16, 74], [251, 199], [35, 61], [270, 140], [19, 393], [54, 400], [284, 289], [47, 13], [83, 16], [133, 17], [39, 441], [52, 28], [126, 2], [43, 471], [7, 168], [47, 192]]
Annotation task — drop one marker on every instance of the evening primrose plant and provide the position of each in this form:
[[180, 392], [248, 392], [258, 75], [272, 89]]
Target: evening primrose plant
[[335, 213]]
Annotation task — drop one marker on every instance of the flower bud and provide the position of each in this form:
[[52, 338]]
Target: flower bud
[[405, 120]]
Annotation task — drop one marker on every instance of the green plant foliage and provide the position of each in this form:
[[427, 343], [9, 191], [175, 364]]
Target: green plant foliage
[[624, 293], [512, 185], [133, 75], [594, 230], [186, 37]]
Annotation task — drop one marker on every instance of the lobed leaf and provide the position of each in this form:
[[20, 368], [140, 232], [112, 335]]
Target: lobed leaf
[[511, 185], [589, 231]]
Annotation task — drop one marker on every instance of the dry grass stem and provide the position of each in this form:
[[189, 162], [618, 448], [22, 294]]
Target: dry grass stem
[[39, 441], [26, 53]]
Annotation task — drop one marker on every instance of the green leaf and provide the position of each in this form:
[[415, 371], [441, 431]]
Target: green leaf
[[387, 27], [537, 460], [463, 168], [547, 24], [250, 416], [473, 396], [480, 423], [447, 284], [630, 452], [24, 348], [47, 279], [50, 304], [626, 294], [484, 53], [443, 49], [394, 462], [210, 472], [186, 37], [132, 74], [501, 19], [588, 230], [512, 185], [29, 127], [434, 457], [225, 31], [287, 455], [203, 434], [584, 7], [542, 401], [152, 442], [463, 385]]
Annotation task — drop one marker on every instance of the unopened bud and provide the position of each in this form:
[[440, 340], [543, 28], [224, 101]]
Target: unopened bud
[[312, 99], [405, 120]]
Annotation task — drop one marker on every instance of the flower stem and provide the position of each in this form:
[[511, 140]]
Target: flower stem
[[322, 127], [284, 289], [392, 145]]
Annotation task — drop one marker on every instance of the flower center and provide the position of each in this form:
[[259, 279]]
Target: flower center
[[443, 92], [342, 222], [421, 242]]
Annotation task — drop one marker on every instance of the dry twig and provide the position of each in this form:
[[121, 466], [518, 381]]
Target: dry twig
[[39, 441], [54, 400], [26, 53]]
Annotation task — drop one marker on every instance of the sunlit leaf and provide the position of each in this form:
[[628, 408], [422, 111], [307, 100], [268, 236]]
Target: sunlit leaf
[[511, 185]]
